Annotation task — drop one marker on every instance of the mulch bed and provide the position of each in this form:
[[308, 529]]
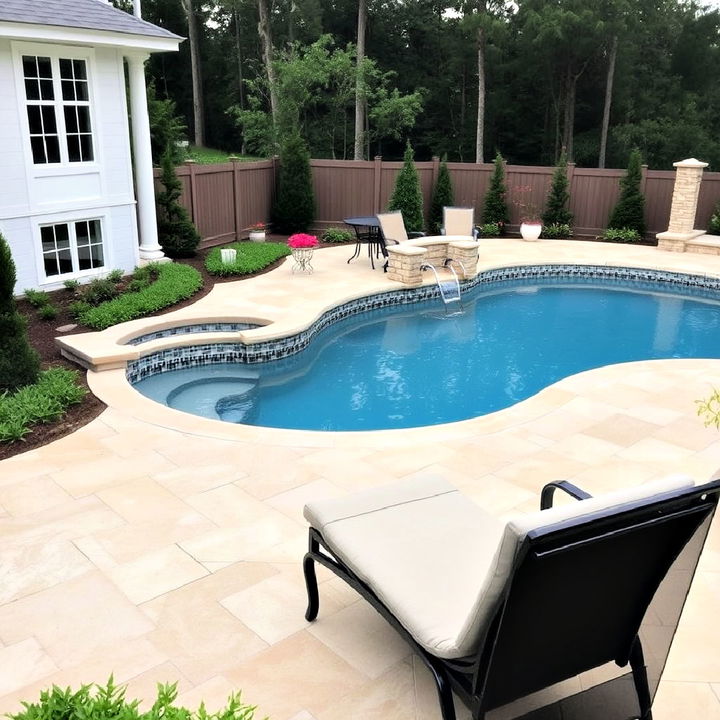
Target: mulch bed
[[42, 334]]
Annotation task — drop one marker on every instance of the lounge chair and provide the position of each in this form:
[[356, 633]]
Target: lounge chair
[[459, 221], [499, 610]]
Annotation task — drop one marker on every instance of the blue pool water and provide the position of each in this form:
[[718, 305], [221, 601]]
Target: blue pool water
[[408, 366]]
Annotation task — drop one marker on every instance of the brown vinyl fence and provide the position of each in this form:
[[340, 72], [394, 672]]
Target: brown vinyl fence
[[225, 200]]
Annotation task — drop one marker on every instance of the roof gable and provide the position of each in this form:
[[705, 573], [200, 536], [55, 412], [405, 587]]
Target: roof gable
[[83, 14]]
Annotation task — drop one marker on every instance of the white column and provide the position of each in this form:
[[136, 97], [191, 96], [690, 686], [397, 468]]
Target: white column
[[144, 182]]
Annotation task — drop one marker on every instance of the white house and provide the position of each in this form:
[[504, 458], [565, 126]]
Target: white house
[[68, 205]]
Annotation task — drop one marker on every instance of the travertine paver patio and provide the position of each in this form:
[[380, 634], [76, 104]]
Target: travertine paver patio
[[163, 547]]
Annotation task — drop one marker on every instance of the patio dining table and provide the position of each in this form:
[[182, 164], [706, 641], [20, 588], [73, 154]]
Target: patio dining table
[[367, 232]]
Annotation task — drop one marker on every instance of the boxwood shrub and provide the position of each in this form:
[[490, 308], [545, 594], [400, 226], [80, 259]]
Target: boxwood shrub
[[45, 401], [251, 257], [174, 282]]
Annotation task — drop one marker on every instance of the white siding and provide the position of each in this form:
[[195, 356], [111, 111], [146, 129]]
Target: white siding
[[32, 195]]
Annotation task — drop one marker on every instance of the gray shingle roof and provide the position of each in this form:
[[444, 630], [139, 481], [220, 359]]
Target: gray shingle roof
[[87, 14]]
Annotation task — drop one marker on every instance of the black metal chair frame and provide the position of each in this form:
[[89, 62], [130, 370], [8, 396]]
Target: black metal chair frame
[[481, 681]]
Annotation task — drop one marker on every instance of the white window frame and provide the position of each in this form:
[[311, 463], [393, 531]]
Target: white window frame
[[56, 53], [46, 279]]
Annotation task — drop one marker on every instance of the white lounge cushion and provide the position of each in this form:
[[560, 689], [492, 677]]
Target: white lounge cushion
[[459, 221], [435, 559], [392, 226]]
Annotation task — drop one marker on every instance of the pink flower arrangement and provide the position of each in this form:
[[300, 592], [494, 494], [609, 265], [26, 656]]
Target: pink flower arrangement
[[257, 227], [302, 240]]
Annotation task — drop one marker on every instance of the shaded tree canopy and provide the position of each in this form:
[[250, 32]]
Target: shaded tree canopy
[[545, 85]]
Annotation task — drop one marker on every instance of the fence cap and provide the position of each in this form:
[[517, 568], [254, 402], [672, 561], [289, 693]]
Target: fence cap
[[691, 163]]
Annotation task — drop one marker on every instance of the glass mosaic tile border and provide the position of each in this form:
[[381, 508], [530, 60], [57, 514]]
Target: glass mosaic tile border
[[187, 329], [213, 353]]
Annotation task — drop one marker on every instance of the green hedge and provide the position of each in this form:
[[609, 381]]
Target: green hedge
[[109, 703], [45, 401], [251, 257], [175, 282]]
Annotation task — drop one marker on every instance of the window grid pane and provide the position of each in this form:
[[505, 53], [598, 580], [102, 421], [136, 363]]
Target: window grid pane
[[42, 121], [57, 249], [73, 76]]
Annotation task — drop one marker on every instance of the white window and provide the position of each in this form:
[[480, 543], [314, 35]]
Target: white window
[[72, 247], [58, 109]]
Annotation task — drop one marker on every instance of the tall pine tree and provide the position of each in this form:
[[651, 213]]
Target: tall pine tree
[[294, 208]]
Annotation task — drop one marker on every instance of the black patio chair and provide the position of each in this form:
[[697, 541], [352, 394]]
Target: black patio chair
[[499, 610]]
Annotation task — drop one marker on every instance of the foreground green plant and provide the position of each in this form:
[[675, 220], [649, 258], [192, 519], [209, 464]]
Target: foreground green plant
[[175, 282], [407, 195], [45, 401], [250, 258], [108, 702]]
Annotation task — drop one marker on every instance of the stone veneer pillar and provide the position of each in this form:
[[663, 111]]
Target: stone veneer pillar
[[404, 263], [466, 253], [688, 177]]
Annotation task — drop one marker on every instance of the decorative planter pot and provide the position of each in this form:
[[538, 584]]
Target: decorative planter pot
[[302, 257], [530, 231], [257, 236]]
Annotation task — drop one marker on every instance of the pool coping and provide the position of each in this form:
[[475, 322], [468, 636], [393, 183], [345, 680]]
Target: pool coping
[[111, 385]]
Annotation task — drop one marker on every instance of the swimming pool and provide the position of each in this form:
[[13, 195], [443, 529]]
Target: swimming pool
[[409, 366]]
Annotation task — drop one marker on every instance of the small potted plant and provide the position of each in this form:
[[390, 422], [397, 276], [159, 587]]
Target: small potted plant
[[257, 232], [530, 223], [302, 246]]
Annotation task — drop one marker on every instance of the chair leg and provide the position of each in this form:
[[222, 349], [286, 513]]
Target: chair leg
[[444, 690], [639, 671], [311, 580]]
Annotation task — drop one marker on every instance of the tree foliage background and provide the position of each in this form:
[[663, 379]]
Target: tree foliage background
[[546, 67]]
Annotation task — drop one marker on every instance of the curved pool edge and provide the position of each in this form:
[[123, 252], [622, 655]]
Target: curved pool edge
[[113, 388]]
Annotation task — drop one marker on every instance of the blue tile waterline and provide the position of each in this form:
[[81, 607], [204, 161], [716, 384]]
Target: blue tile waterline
[[192, 329], [215, 353], [403, 365]]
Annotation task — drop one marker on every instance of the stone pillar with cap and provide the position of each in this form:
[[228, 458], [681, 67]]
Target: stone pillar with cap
[[688, 176]]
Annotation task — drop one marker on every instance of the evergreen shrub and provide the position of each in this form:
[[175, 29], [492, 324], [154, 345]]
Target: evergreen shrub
[[19, 363], [629, 212], [407, 196], [623, 235], [495, 209], [443, 196], [714, 224], [489, 230], [294, 207], [176, 233], [556, 231], [337, 235], [556, 209]]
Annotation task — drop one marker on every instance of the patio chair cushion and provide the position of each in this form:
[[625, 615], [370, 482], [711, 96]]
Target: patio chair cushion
[[392, 226], [459, 221], [436, 560]]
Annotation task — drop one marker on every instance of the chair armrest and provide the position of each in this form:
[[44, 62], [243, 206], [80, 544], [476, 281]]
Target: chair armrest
[[416, 234], [546, 496], [475, 233]]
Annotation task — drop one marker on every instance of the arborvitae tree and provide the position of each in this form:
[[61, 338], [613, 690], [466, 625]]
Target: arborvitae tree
[[556, 210], [294, 208], [442, 197], [629, 212], [407, 196], [495, 209], [19, 363], [176, 233]]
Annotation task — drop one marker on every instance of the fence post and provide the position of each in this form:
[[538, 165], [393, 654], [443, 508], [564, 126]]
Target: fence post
[[571, 179], [236, 195], [377, 175], [275, 162], [435, 172], [643, 178], [193, 191]]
